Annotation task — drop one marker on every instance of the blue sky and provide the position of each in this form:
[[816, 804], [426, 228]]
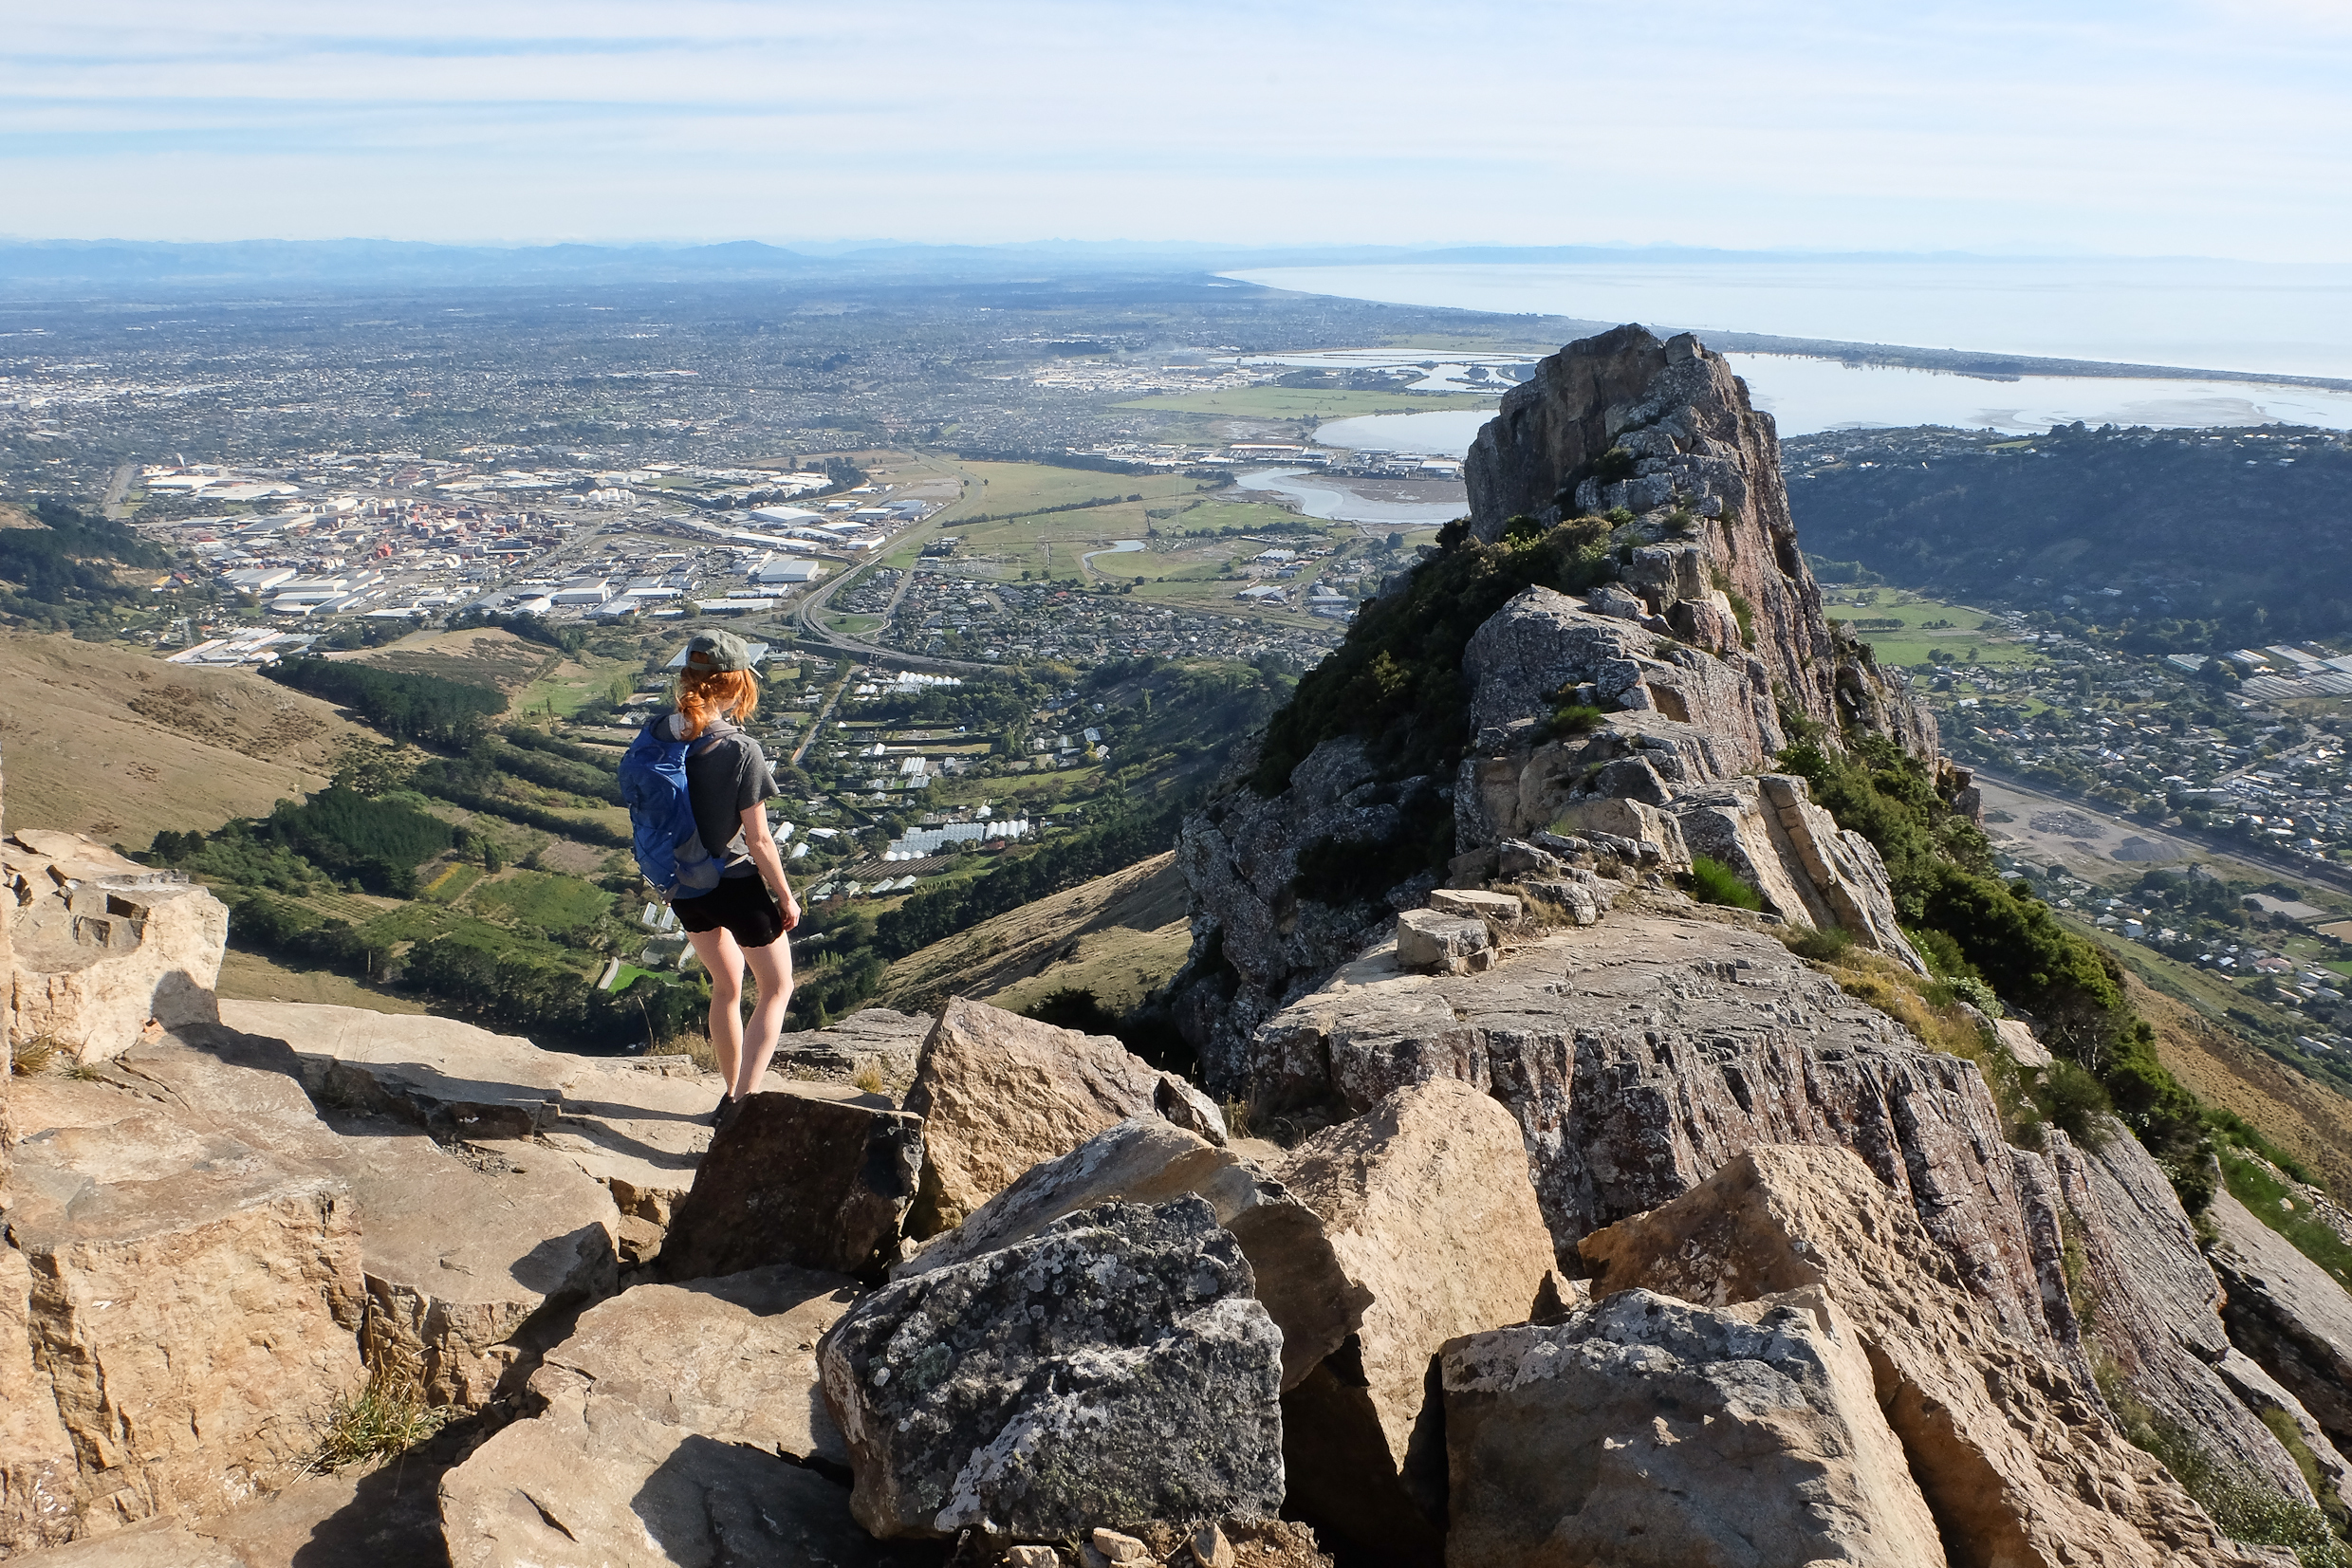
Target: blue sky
[[2194, 127]]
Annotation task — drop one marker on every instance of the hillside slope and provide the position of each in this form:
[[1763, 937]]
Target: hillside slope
[[103, 738], [2190, 536], [1117, 936]]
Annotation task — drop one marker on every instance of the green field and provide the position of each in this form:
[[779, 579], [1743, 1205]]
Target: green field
[[1307, 403], [450, 885], [1957, 630], [570, 683], [1009, 488], [536, 899]]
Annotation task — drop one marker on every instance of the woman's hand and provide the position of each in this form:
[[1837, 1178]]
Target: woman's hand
[[790, 907]]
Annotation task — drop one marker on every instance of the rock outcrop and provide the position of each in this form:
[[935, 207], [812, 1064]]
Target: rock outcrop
[[100, 944], [812, 1174], [998, 1092], [2288, 1313], [192, 1313], [1637, 720], [873, 1042], [1640, 1055], [1431, 1225], [1646, 1430], [1624, 420], [1114, 1370], [2014, 1456]]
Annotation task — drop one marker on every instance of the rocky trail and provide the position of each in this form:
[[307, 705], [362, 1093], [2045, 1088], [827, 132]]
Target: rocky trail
[[1528, 1213]]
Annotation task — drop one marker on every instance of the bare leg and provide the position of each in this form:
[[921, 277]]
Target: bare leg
[[771, 967], [724, 960]]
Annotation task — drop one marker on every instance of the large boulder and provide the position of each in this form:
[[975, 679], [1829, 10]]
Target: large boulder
[[100, 944], [2017, 1458], [1145, 1160], [812, 1174], [1643, 1431], [193, 1309], [2288, 1313], [1113, 1370], [999, 1093], [1433, 1227]]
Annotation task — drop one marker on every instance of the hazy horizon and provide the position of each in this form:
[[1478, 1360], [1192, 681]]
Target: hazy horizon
[[2206, 128]]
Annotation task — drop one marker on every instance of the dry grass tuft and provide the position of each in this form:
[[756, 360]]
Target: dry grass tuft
[[870, 1079], [696, 1047], [387, 1417], [37, 1054]]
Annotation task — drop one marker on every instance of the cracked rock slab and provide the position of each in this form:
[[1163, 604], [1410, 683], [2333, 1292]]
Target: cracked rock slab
[[595, 1483], [733, 1358]]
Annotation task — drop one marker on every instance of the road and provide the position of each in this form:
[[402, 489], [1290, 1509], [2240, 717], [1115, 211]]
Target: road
[[811, 632], [116, 488], [2253, 860], [823, 713]]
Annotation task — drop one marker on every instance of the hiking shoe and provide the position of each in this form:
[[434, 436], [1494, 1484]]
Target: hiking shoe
[[725, 1101]]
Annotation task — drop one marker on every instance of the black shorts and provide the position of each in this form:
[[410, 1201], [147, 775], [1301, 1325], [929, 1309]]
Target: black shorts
[[742, 904]]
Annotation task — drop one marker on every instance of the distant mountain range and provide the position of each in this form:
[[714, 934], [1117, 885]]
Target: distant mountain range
[[52, 266]]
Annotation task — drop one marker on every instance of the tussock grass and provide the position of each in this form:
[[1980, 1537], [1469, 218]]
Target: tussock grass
[[386, 1417], [37, 1054], [1710, 881], [2246, 1509]]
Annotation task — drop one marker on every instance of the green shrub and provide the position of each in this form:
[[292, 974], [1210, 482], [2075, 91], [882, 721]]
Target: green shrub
[[1396, 678], [2075, 1103], [1710, 881], [1823, 946], [1576, 718]]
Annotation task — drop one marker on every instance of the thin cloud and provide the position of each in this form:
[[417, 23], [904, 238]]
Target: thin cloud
[[2209, 128]]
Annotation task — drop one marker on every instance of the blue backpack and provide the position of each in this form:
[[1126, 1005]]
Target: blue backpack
[[669, 852]]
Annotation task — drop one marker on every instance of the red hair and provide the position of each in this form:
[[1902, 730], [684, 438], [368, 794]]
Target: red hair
[[707, 695]]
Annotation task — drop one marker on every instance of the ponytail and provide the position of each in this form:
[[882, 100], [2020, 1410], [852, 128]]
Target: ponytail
[[704, 695]]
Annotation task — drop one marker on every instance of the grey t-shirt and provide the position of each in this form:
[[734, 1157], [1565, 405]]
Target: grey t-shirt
[[726, 774]]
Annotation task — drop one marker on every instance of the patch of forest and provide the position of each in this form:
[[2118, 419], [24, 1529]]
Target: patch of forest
[[2173, 541]]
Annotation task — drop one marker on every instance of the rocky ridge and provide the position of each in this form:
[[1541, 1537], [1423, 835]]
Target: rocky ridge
[[1689, 666]]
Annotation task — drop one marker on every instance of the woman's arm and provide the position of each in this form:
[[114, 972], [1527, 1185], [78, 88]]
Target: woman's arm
[[762, 843]]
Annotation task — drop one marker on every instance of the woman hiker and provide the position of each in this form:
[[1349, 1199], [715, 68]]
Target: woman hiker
[[743, 920]]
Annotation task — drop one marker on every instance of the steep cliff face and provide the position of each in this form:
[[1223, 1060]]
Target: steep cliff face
[[1665, 430], [1704, 639]]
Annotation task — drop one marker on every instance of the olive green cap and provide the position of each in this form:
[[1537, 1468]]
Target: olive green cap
[[718, 651]]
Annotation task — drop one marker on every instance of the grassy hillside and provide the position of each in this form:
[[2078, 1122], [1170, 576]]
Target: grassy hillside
[[2297, 1112], [1117, 936], [102, 738]]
